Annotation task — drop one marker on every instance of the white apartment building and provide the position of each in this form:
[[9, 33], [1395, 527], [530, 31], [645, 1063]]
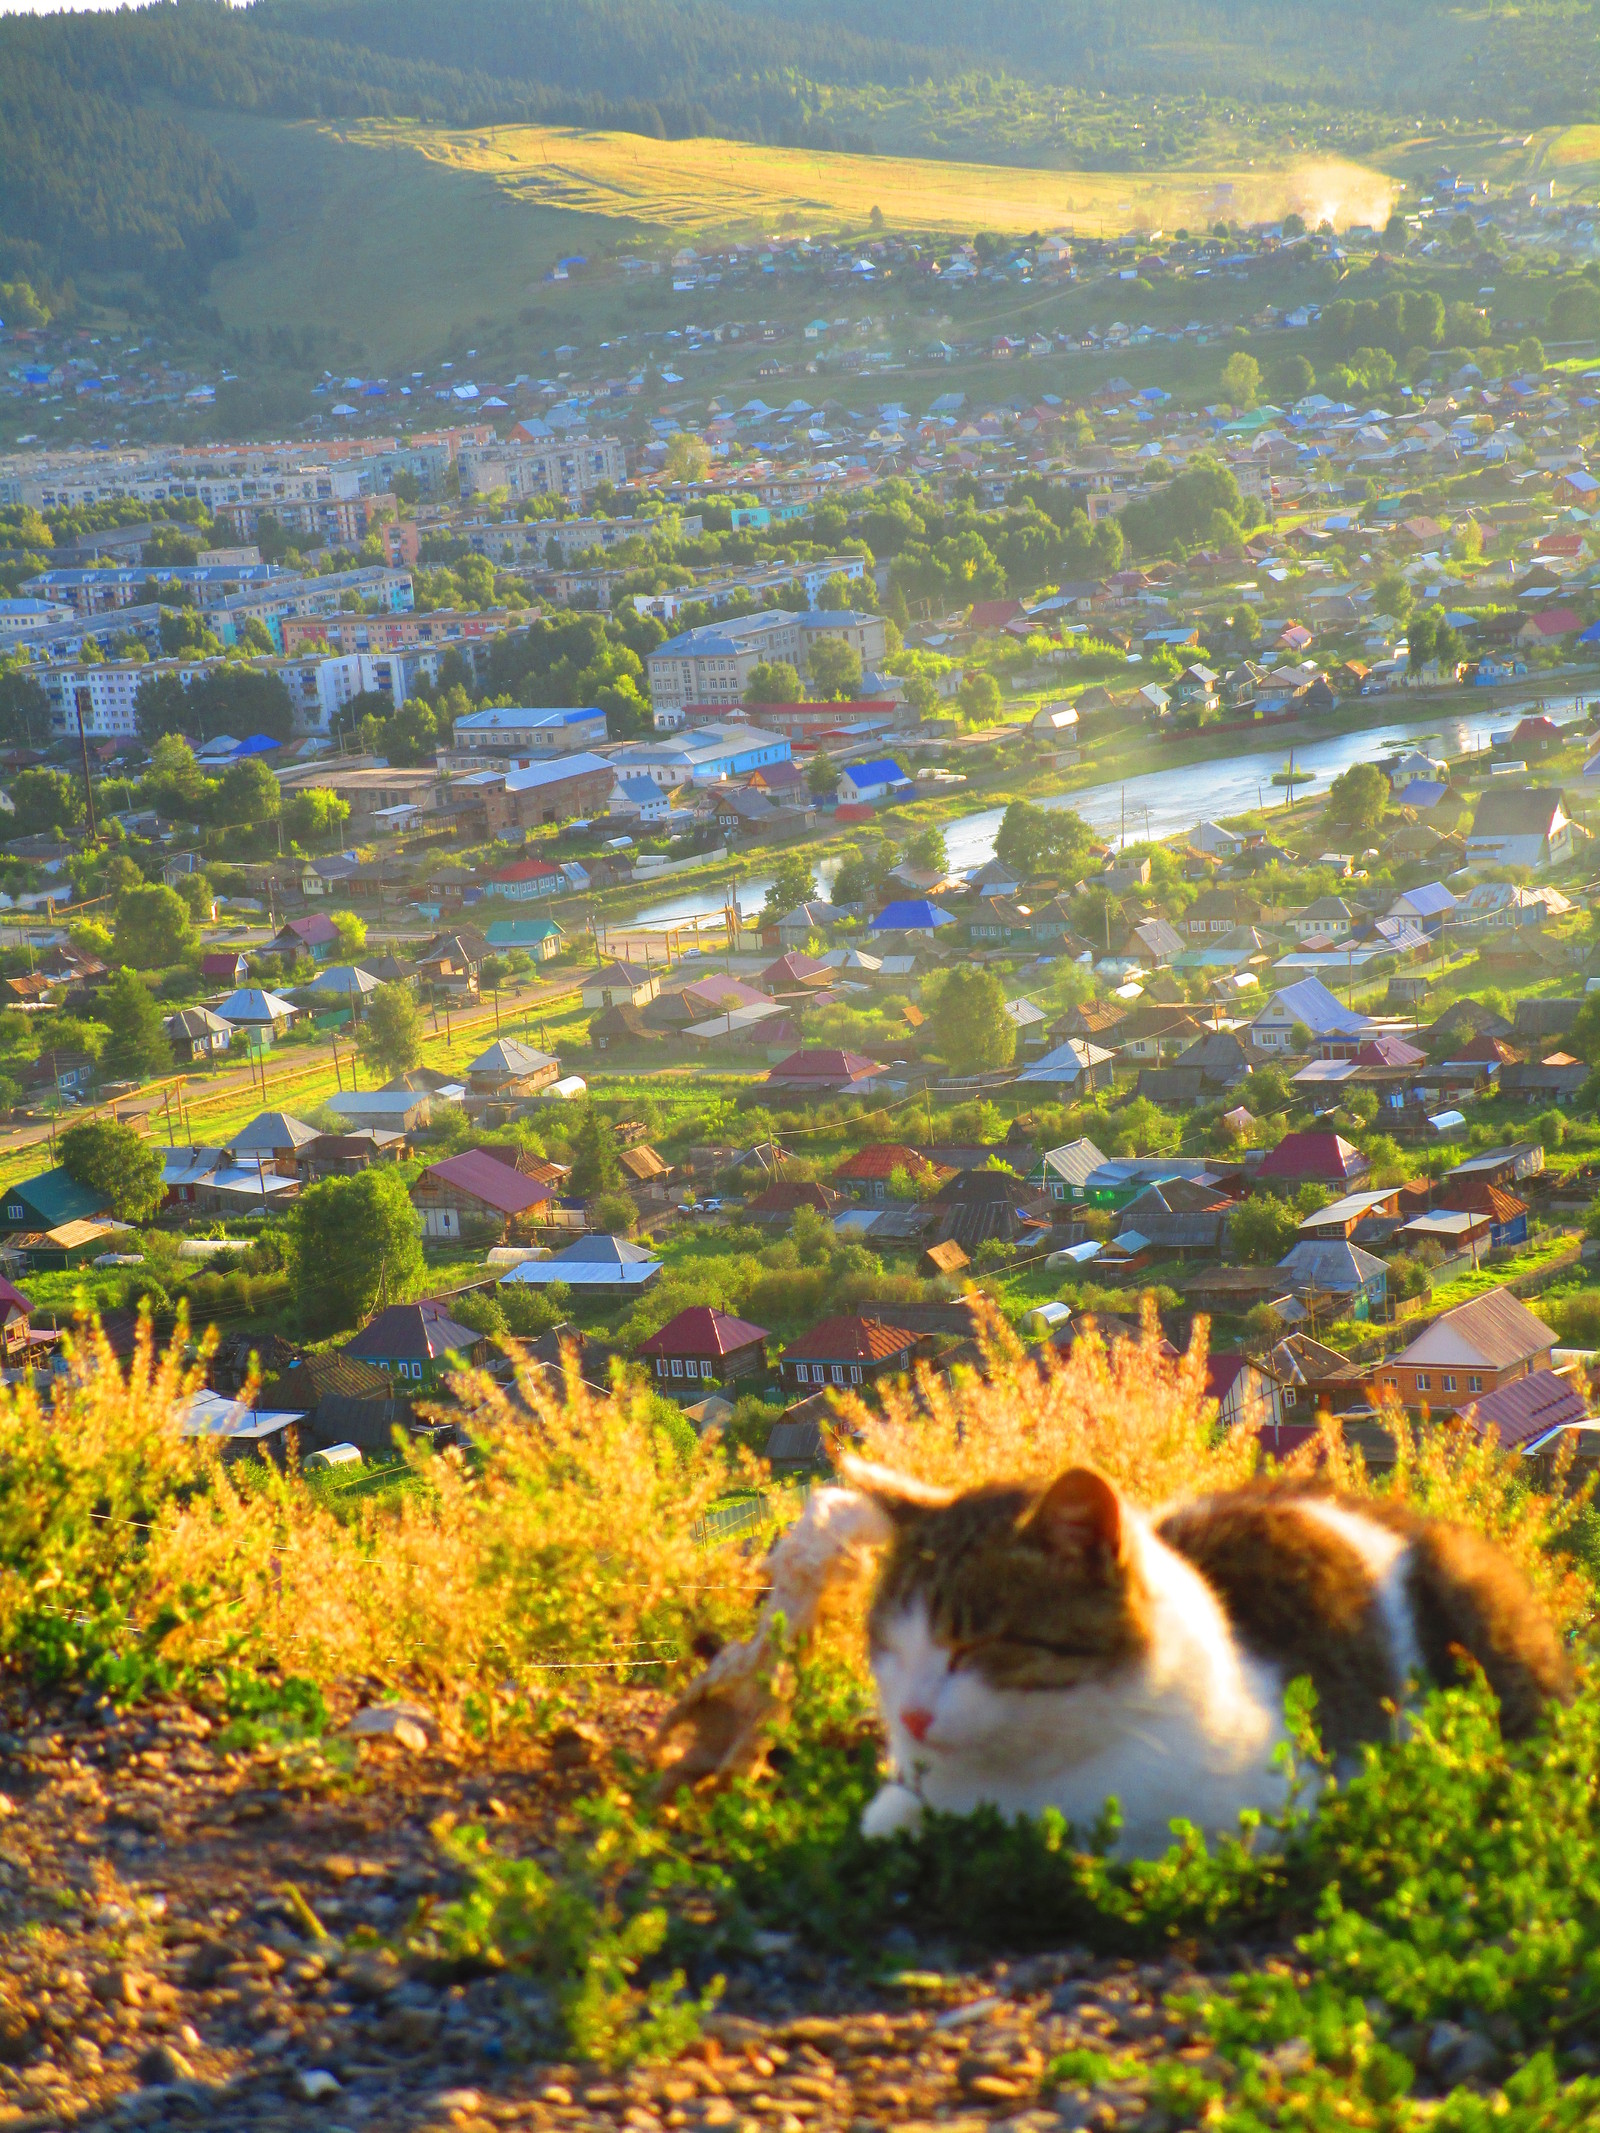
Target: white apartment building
[[572, 467]]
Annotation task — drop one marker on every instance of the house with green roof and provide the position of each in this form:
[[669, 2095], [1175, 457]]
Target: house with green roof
[[46, 1201], [540, 937]]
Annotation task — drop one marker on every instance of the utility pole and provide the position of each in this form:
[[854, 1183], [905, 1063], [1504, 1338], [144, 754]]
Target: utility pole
[[88, 782]]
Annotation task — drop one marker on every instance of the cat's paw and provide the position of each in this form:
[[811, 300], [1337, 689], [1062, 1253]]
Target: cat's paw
[[896, 1807]]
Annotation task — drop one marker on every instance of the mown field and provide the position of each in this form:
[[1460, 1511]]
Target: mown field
[[715, 185]]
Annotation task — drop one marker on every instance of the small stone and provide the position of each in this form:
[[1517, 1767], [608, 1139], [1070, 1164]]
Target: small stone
[[161, 2066], [1292, 2057], [973, 2011], [574, 1747], [314, 2083], [1456, 2054], [404, 1723], [117, 1988]]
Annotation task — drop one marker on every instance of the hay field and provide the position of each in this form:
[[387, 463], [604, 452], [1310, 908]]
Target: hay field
[[704, 186]]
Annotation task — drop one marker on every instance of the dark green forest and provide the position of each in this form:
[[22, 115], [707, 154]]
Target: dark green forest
[[98, 172]]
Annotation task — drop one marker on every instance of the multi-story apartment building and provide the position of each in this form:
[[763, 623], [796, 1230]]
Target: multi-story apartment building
[[569, 467]]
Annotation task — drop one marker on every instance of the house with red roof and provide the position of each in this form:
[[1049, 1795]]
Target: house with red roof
[[778, 1204], [475, 1195], [848, 1350], [869, 1172], [525, 879], [315, 936], [1325, 1158], [1548, 622], [823, 1071], [703, 1346], [1243, 1391], [795, 972]]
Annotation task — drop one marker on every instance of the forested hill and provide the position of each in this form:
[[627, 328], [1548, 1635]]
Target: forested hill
[[99, 172]]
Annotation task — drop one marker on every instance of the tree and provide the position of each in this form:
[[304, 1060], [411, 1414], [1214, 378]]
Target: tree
[[927, 849], [821, 778], [175, 783], [970, 1025], [794, 881], [45, 801], [1574, 313], [355, 1246], [24, 711], [1391, 595], [1036, 840], [391, 1029], [136, 1044], [978, 698], [834, 668], [249, 794], [614, 1212], [352, 932], [688, 458], [1262, 1229], [595, 1168], [194, 891], [772, 681], [153, 928], [1241, 379], [117, 1163], [316, 815], [1358, 797], [1291, 378]]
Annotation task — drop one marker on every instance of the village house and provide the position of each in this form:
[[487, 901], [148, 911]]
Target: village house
[[475, 1196], [702, 1346], [510, 1068], [418, 1344], [846, 1350], [1479, 1346]]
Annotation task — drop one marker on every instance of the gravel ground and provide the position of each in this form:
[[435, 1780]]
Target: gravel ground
[[174, 1924]]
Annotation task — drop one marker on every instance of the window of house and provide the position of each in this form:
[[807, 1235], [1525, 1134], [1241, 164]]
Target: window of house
[[1289, 1396], [838, 1373], [855, 1373], [1422, 1381], [677, 1366], [1474, 1382], [705, 1369], [1448, 1382]]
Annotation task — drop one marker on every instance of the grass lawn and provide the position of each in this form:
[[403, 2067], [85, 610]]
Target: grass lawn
[[1541, 1253]]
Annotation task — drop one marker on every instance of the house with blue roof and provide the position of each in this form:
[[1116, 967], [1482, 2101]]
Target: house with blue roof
[[1307, 1004], [911, 915], [869, 783], [1428, 906]]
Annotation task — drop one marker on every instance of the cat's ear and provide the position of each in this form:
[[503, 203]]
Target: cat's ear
[[899, 1496], [1080, 1514]]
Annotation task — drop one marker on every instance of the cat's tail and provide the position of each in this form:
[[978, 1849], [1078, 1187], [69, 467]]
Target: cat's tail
[[727, 1714]]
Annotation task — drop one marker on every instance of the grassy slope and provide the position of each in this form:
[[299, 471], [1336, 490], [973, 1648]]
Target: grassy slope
[[389, 246], [712, 185], [404, 238]]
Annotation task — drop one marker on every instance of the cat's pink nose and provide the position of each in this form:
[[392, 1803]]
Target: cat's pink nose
[[916, 1722]]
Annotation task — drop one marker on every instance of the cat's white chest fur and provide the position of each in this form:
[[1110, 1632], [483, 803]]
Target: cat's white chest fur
[[1187, 1731]]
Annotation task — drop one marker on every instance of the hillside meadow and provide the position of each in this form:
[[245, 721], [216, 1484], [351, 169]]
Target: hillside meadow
[[708, 185]]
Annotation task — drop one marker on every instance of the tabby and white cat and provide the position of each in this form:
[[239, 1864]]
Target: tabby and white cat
[[1052, 1647]]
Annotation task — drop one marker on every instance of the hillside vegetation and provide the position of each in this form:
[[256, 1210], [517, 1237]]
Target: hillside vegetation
[[105, 167], [1435, 1927], [703, 185]]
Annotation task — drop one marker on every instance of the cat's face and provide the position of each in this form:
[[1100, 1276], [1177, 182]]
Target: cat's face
[[996, 1610]]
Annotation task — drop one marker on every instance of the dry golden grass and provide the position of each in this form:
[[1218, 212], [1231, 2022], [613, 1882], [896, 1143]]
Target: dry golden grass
[[565, 1549], [707, 185], [567, 1543]]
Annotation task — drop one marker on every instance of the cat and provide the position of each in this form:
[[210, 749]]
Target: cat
[[1052, 1647]]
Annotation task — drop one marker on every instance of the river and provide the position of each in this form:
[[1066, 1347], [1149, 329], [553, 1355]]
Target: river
[[1156, 804]]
